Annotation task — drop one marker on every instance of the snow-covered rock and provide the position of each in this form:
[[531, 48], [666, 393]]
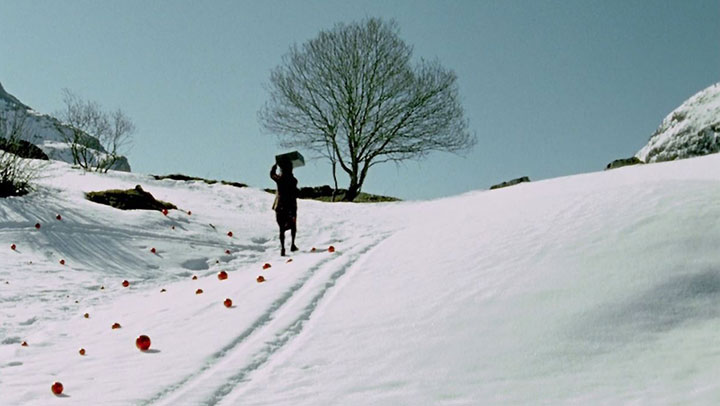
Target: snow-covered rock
[[47, 132], [693, 129]]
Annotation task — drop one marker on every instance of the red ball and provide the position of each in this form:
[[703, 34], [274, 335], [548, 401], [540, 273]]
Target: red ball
[[37, 225], [125, 283], [331, 249], [59, 217], [164, 212], [86, 315], [222, 275], [116, 326], [227, 252], [194, 277], [260, 279], [228, 303], [230, 234], [266, 266], [62, 262], [288, 261], [312, 249], [143, 343], [199, 292], [24, 344], [12, 247], [189, 213], [82, 351], [153, 250], [57, 388]]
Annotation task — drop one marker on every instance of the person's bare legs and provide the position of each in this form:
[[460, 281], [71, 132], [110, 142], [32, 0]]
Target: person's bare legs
[[282, 242], [293, 231]]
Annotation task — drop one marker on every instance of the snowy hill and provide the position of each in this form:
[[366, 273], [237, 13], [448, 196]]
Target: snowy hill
[[596, 289], [693, 129], [47, 132]]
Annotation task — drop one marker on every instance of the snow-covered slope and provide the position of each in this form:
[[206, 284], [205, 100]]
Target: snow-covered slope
[[47, 132], [693, 129], [598, 289]]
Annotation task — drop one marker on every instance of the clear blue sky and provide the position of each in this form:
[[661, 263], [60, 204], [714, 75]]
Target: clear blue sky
[[551, 88]]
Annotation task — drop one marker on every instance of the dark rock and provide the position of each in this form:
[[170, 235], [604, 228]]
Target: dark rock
[[131, 199], [510, 183], [23, 149], [618, 163]]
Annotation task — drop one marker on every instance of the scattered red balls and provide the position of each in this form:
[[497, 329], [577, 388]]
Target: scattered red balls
[[230, 234], [199, 292], [57, 388], [125, 283], [331, 249], [228, 303], [62, 262], [143, 343], [12, 247], [164, 212], [266, 266], [153, 250], [82, 351], [59, 217], [37, 226], [261, 279], [116, 326], [222, 275]]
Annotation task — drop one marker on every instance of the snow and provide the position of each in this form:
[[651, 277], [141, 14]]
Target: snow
[[600, 289], [693, 129]]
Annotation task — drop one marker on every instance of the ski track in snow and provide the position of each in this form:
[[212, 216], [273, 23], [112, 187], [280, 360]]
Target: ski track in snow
[[226, 369]]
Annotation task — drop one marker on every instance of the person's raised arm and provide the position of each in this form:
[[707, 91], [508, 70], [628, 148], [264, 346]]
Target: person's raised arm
[[273, 175]]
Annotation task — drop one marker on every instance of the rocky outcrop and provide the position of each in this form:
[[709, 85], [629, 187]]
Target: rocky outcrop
[[510, 183], [693, 129], [618, 163]]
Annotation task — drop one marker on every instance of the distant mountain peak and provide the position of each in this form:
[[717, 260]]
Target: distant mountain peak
[[7, 97]]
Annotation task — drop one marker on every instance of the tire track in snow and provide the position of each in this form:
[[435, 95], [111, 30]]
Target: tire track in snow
[[222, 372]]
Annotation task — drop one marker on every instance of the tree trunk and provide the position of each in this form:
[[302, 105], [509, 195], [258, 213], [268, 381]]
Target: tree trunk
[[353, 190]]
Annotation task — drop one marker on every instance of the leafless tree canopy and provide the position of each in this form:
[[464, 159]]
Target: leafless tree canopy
[[16, 173], [351, 95], [112, 130]]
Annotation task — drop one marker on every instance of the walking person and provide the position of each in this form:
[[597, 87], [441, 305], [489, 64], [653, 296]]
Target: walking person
[[285, 204]]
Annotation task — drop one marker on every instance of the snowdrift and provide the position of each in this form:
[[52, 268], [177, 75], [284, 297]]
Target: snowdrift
[[601, 289]]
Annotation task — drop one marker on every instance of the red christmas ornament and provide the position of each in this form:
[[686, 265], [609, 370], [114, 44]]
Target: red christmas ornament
[[222, 275], [230, 234], [57, 388], [82, 351], [116, 326], [261, 279], [125, 283], [266, 266], [331, 249], [228, 303], [164, 212], [153, 250], [199, 292], [37, 225], [62, 262], [59, 217], [12, 247], [143, 343]]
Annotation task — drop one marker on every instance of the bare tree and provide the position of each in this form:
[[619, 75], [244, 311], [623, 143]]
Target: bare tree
[[16, 172], [96, 137], [350, 95]]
